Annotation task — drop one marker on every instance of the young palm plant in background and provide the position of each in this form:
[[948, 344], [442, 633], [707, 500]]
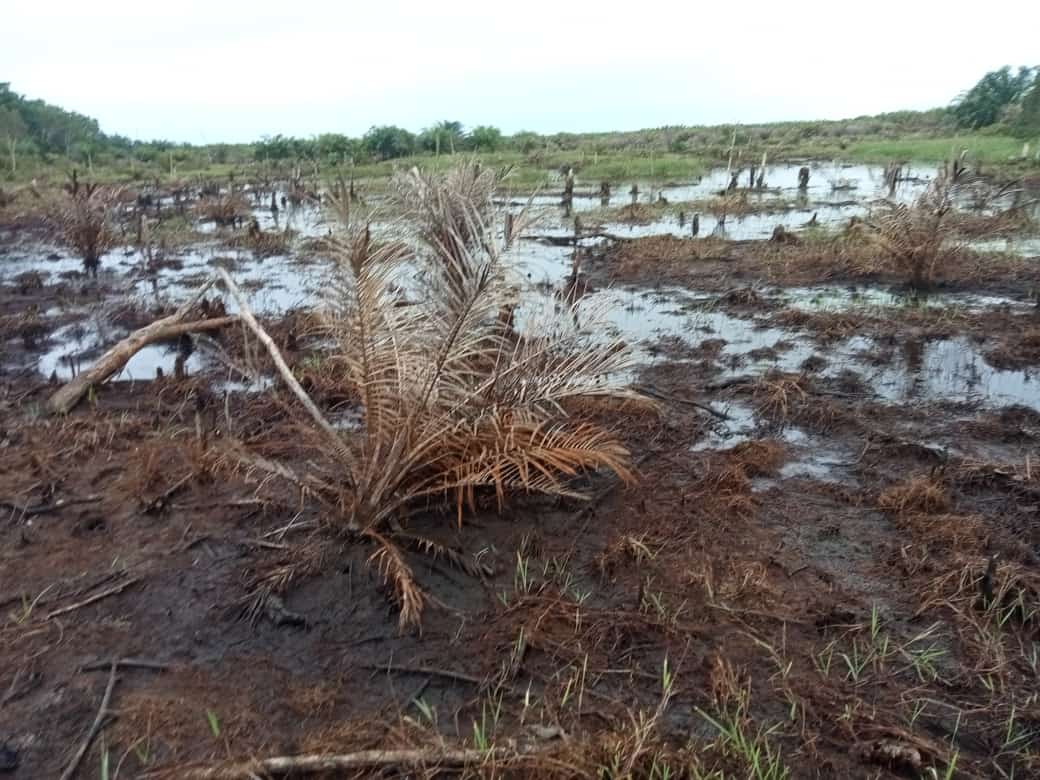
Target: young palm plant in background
[[85, 218], [453, 400], [918, 239]]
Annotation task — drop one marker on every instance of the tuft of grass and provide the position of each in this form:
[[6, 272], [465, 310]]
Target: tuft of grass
[[759, 458], [739, 740], [917, 494], [990, 149], [778, 395], [214, 723]]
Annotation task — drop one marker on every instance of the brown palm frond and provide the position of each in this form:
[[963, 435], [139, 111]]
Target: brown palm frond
[[303, 560], [454, 557], [525, 457], [232, 456], [448, 209], [453, 400], [398, 575], [919, 239], [558, 358]]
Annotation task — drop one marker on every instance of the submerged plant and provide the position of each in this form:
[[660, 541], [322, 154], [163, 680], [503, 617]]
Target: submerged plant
[[453, 399]]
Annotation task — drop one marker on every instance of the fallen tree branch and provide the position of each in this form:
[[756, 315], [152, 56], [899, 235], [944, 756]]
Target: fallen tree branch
[[429, 670], [126, 663], [44, 509], [653, 392], [96, 726], [96, 597], [173, 326], [726, 384], [272, 349], [363, 759]]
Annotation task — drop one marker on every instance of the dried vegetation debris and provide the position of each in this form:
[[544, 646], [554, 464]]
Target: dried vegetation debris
[[452, 400], [699, 624]]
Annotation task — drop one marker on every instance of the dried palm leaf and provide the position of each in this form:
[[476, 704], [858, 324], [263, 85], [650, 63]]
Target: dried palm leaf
[[453, 400], [919, 239]]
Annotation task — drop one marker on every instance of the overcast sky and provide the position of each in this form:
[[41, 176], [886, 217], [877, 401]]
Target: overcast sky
[[222, 70]]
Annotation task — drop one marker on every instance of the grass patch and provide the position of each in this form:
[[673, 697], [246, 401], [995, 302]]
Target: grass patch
[[983, 148]]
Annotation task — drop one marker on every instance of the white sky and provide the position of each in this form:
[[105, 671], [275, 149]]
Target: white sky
[[225, 70]]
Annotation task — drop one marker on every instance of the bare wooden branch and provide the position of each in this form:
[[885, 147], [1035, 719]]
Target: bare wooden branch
[[96, 726], [96, 597], [247, 316], [126, 663], [447, 674], [653, 392], [43, 509], [363, 759], [112, 361]]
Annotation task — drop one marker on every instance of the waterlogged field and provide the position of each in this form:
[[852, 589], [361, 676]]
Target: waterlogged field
[[820, 562]]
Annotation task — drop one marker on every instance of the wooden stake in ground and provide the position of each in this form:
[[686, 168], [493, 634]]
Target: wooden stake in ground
[[66, 398]]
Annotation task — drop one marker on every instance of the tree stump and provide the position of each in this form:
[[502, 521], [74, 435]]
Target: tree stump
[[803, 177]]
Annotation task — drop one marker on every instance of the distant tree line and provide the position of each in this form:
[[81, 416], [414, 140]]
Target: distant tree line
[[1006, 97], [1005, 101], [383, 142], [35, 127]]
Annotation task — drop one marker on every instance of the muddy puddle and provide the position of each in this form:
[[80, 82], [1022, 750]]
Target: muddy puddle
[[835, 299], [827, 181], [78, 347], [836, 193], [1017, 245], [807, 455], [951, 369], [681, 562]]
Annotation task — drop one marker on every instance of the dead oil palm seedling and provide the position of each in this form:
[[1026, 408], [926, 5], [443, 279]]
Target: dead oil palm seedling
[[454, 401], [84, 219], [920, 239], [265, 243], [228, 210]]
